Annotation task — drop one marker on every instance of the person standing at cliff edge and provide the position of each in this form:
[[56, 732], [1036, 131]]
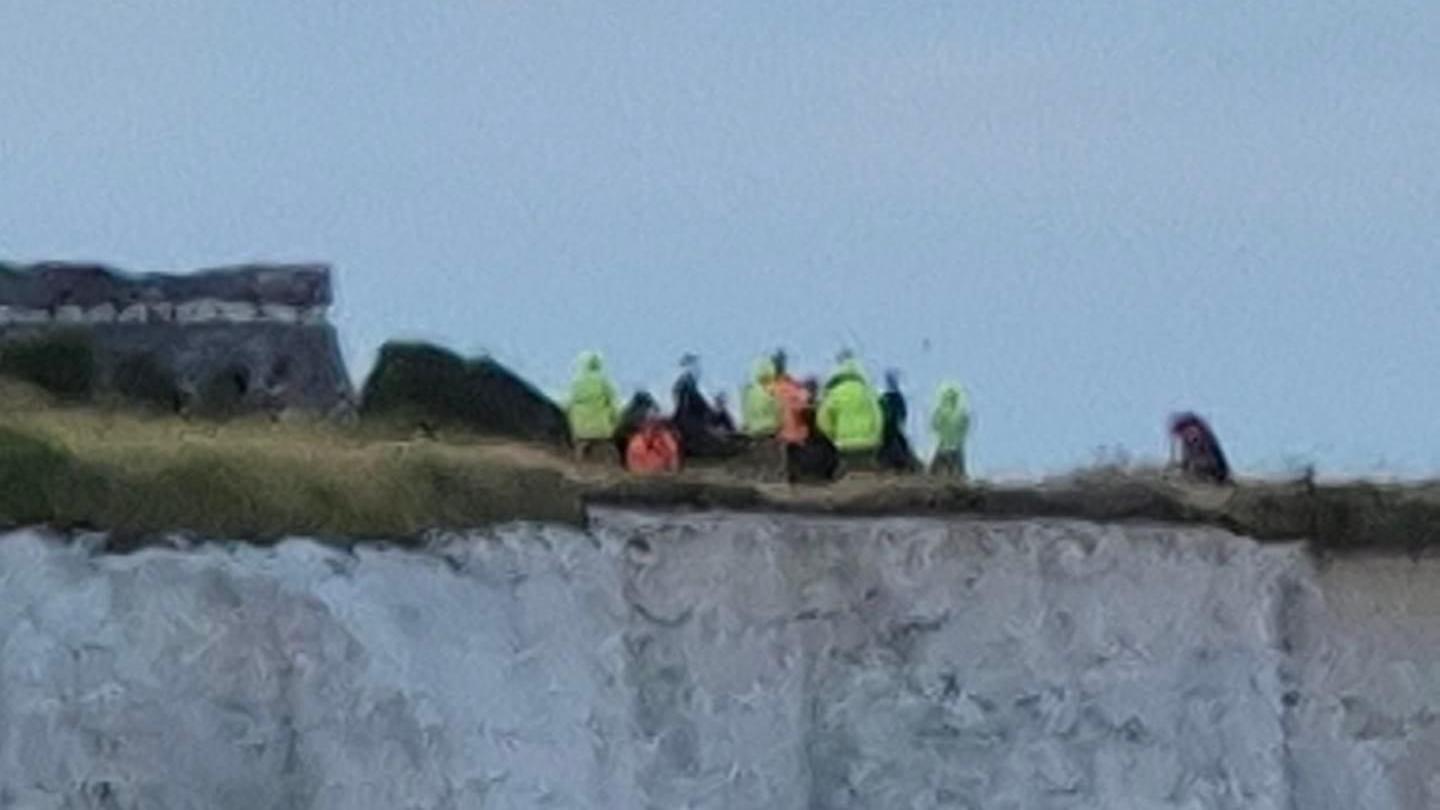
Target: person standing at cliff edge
[[594, 409], [771, 407], [814, 458], [895, 452], [793, 400], [1199, 450], [849, 413], [951, 425], [702, 432], [759, 409]]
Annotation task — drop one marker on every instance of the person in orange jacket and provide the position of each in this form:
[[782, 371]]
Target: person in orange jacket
[[794, 400]]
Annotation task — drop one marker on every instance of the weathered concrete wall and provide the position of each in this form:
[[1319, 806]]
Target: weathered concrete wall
[[266, 323], [94, 292], [721, 661]]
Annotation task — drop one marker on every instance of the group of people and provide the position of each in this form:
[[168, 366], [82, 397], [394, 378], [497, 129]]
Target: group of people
[[816, 429]]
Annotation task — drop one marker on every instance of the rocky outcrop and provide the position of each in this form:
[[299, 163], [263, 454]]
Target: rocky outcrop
[[721, 661], [426, 386]]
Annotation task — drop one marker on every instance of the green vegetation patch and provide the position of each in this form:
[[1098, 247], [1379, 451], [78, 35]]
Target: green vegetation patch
[[142, 380], [223, 395], [140, 476], [62, 363], [34, 475]]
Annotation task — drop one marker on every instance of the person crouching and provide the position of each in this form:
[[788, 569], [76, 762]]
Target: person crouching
[[1199, 451], [654, 446]]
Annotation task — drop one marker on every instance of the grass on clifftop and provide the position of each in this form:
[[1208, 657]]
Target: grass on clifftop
[[135, 475]]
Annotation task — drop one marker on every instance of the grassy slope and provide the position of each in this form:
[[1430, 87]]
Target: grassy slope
[[135, 475], [138, 477]]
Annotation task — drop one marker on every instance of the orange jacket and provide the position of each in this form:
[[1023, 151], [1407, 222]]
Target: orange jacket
[[653, 450], [793, 399]]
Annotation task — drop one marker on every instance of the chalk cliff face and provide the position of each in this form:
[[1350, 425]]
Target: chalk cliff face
[[721, 661]]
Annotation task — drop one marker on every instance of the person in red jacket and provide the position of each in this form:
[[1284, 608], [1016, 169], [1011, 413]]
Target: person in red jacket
[[654, 446]]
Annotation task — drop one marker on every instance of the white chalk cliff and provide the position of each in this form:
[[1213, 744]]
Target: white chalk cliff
[[722, 661]]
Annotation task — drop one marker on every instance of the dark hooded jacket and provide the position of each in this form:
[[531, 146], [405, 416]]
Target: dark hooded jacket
[[1200, 453], [816, 459], [701, 429], [895, 453]]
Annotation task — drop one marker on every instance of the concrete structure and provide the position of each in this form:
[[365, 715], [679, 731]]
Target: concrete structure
[[263, 326], [721, 660]]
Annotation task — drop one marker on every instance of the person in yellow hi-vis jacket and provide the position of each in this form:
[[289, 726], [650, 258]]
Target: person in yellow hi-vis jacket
[[594, 408], [759, 408], [951, 425], [849, 411]]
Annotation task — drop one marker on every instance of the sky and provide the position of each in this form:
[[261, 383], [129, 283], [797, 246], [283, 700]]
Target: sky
[[1091, 214]]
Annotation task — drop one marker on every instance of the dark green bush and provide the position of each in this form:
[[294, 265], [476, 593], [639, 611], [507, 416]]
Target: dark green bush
[[142, 379], [421, 384], [62, 363], [224, 394], [34, 475]]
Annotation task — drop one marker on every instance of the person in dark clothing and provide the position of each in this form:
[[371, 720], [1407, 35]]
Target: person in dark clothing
[[1199, 450], [692, 411], [895, 454], [720, 419], [696, 421], [812, 390], [815, 459]]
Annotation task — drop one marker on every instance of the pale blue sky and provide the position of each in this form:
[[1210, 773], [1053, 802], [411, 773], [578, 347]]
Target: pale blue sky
[[1090, 213]]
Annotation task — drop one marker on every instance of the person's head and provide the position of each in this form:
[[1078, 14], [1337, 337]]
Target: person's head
[[644, 405], [951, 396], [690, 366], [1184, 422], [780, 361], [849, 367], [892, 380], [590, 362]]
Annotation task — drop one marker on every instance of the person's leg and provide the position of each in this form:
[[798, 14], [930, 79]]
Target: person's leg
[[790, 462], [948, 464], [945, 463], [778, 458], [585, 450], [1207, 468]]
